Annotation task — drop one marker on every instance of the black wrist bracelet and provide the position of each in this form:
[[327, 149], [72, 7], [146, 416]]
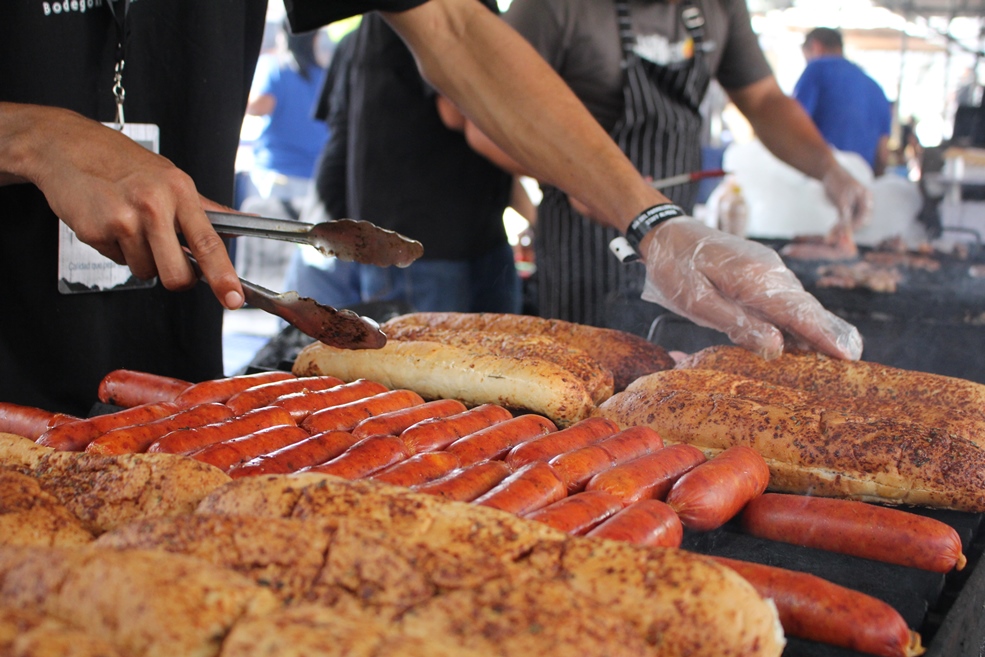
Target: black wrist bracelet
[[650, 219]]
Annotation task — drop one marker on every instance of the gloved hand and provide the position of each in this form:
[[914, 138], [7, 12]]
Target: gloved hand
[[741, 288], [852, 199]]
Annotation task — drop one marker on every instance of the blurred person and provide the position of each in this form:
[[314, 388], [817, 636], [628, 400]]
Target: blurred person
[[186, 68], [847, 105], [392, 160], [643, 69]]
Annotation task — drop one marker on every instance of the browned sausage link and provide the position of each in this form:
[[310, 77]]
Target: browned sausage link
[[813, 608], [467, 484], [28, 421], [578, 466], [419, 469], [437, 433], [74, 436], [578, 513], [581, 434], [650, 476], [855, 528], [305, 453], [394, 422], [220, 390], [532, 487], [647, 522], [364, 458], [495, 441], [186, 441], [265, 393], [345, 416], [302, 404], [130, 440], [228, 453], [129, 388], [714, 492]]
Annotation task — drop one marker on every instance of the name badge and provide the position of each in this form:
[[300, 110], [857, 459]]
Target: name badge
[[82, 269]]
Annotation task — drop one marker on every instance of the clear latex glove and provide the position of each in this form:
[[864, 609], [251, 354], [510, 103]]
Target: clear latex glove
[[852, 199], [741, 288]]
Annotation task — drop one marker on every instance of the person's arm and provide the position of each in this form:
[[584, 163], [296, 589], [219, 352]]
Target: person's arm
[[501, 84], [882, 156], [261, 105], [120, 198], [789, 133]]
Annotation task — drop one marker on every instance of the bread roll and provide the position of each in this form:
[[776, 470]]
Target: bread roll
[[30, 516], [811, 450], [438, 371], [597, 379], [626, 355], [31, 634], [142, 603], [867, 389], [679, 603], [19, 453]]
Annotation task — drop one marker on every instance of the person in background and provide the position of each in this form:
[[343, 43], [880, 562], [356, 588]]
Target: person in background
[[848, 107], [642, 69], [284, 92], [144, 209], [392, 160]]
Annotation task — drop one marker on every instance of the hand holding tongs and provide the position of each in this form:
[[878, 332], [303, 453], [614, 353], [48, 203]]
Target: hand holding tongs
[[346, 239]]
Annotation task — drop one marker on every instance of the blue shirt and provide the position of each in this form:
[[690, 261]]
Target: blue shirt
[[848, 107], [292, 138]]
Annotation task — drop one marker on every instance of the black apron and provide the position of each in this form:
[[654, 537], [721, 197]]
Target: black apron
[[660, 132]]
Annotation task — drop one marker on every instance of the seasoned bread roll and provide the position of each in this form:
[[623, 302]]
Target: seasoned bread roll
[[30, 516], [809, 449], [438, 371], [867, 389], [32, 634], [468, 551], [19, 453], [597, 379], [142, 603], [626, 355]]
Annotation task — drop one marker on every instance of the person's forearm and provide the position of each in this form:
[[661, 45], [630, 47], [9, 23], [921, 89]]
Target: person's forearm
[[784, 127], [501, 84], [16, 135]]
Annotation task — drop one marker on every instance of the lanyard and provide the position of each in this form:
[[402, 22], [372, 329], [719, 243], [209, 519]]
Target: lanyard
[[122, 34]]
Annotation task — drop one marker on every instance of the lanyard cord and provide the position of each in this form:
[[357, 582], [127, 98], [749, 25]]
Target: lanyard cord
[[122, 34]]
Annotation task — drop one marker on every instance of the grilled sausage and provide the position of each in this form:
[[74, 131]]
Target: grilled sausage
[[28, 421], [467, 484], [265, 393], [438, 433], [649, 476], [532, 487], [394, 422], [581, 434], [578, 466], [714, 492], [220, 390], [186, 441], [302, 404], [129, 388], [134, 439], [856, 528], [345, 416], [228, 453], [419, 469], [815, 609], [495, 441], [74, 436], [647, 522], [317, 449], [367, 456], [578, 513]]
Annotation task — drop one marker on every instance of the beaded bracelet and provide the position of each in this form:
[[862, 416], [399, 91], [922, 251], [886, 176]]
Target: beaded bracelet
[[650, 219]]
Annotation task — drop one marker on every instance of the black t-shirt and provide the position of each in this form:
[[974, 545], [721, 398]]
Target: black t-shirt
[[188, 69], [404, 170]]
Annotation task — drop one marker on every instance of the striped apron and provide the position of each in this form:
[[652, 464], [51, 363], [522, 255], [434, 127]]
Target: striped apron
[[660, 133]]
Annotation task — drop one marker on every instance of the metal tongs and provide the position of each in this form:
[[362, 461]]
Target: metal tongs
[[346, 239]]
